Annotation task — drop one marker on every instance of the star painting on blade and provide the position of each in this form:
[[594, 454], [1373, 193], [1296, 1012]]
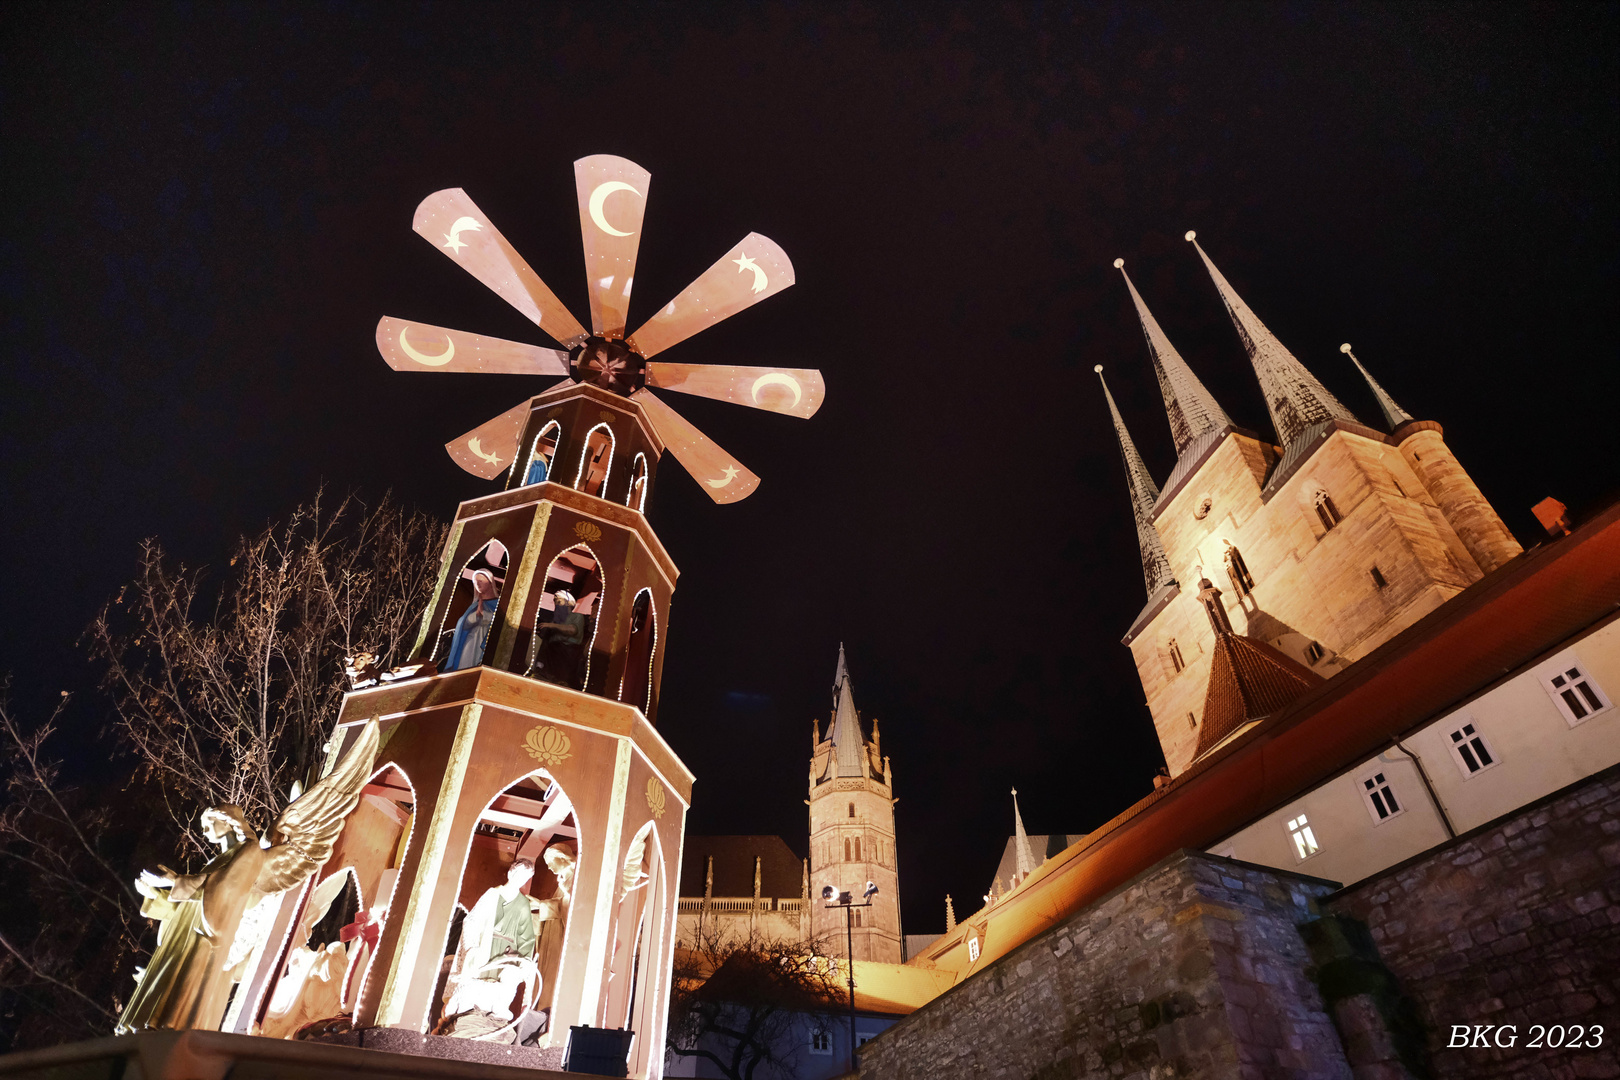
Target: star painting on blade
[[478, 451], [745, 263], [452, 239], [731, 474]]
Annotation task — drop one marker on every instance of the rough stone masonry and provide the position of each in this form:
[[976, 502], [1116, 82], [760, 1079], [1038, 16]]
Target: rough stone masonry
[[1203, 967]]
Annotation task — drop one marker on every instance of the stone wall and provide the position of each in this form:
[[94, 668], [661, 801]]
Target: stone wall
[[1193, 970], [1516, 923]]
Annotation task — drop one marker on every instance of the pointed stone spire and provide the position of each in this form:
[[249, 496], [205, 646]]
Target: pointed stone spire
[[950, 914], [1294, 397], [849, 748], [1144, 493], [1021, 852], [1393, 413], [1192, 410]]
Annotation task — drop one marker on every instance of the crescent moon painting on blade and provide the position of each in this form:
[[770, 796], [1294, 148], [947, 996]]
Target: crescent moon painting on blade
[[478, 451], [442, 359], [776, 378], [599, 196]]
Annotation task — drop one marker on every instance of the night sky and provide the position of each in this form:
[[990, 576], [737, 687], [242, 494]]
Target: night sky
[[207, 209]]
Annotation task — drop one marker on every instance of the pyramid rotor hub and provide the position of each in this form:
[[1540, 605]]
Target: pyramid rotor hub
[[609, 364]]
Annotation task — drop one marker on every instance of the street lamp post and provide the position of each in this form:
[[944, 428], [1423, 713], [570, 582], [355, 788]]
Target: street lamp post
[[837, 898]]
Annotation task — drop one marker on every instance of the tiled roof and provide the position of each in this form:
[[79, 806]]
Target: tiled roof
[[1248, 679], [781, 872]]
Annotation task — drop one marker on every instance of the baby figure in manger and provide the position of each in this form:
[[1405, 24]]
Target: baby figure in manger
[[496, 957]]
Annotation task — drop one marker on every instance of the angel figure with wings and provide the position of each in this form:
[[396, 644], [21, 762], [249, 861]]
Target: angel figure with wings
[[187, 983]]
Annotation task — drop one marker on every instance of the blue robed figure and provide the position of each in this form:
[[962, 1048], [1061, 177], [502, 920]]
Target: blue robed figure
[[537, 471], [472, 629]]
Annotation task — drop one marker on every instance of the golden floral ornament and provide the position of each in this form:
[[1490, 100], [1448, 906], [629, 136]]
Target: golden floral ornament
[[655, 797], [605, 415], [587, 531], [548, 745]]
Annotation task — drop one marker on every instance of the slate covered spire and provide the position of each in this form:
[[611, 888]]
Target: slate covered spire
[[1144, 493], [1393, 413], [1293, 395], [1191, 409], [1021, 852], [849, 746]]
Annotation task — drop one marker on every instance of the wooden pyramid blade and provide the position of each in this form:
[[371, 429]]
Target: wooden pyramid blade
[[612, 200], [452, 223], [745, 275], [793, 391], [414, 346], [721, 476], [488, 449]]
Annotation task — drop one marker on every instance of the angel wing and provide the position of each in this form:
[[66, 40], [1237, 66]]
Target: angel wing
[[306, 831]]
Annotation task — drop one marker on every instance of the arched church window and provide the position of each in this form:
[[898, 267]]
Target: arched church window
[[857, 920], [1176, 661], [1326, 510], [636, 497], [473, 600], [595, 461], [636, 686], [851, 809], [564, 622], [542, 454], [857, 849], [1238, 571], [846, 850]]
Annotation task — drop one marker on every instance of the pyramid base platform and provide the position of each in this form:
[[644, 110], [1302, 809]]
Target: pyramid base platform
[[215, 1055]]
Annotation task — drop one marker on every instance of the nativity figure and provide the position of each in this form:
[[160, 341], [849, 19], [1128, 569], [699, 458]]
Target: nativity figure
[[201, 949]]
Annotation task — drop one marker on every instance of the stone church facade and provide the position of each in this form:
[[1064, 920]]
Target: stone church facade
[[1391, 808]]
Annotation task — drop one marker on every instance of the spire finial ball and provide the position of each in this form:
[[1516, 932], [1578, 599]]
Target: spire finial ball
[[1191, 235], [1098, 369], [1345, 347], [1119, 264]]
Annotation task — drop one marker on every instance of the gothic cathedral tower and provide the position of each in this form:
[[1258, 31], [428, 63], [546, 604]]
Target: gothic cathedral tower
[[852, 830]]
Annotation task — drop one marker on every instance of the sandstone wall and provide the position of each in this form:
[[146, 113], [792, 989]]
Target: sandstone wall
[[1194, 970], [1515, 923]]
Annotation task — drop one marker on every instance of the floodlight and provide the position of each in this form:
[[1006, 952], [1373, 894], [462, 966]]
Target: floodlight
[[830, 893], [871, 891]]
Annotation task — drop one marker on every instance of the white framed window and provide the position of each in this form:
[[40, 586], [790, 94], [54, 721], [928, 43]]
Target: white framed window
[[1470, 751], [862, 1039], [1304, 840], [973, 950], [1379, 795], [1576, 694], [821, 1041]]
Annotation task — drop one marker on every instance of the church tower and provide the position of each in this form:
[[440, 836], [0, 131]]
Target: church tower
[[1327, 542], [852, 830]]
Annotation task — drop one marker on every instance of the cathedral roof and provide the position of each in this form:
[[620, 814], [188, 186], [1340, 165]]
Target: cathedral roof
[[1191, 409], [1043, 847], [1293, 395], [1248, 680], [781, 871]]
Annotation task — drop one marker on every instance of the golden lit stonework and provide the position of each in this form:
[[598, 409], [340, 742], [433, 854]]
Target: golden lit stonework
[[548, 745]]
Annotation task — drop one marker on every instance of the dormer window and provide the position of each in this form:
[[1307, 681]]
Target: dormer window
[[1326, 511]]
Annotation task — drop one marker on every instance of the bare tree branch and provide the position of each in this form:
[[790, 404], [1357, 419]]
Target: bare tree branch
[[47, 977]]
